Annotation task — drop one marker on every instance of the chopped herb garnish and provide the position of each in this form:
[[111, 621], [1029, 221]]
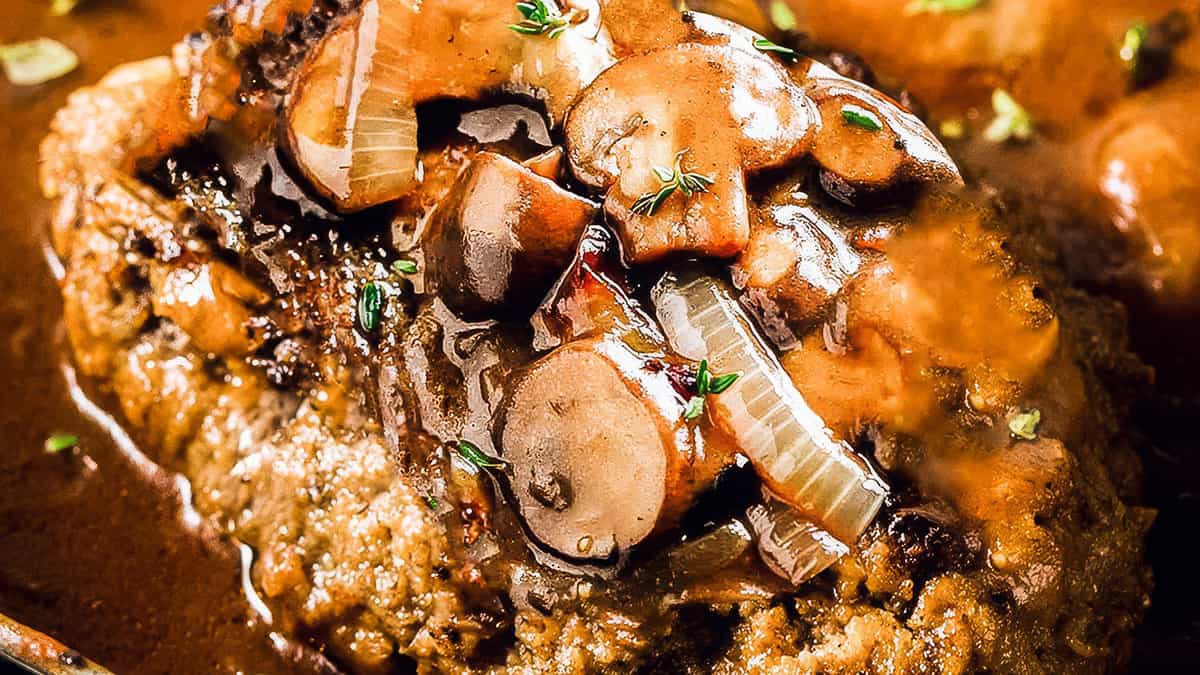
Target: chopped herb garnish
[[782, 16], [672, 180], [1012, 120], [370, 307], [707, 383], [405, 266], [765, 45], [939, 6], [720, 384], [431, 502], [952, 128], [62, 7], [1132, 43], [37, 61], [861, 117], [1024, 424], [59, 442], [1131, 46], [474, 455], [540, 19]]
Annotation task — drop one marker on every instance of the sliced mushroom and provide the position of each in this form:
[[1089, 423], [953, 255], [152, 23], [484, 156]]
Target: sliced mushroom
[[732, 111], [601, 457], [211, 302], [351, 117], [592, 298], [796, 263], [501, 236], [866, 142]]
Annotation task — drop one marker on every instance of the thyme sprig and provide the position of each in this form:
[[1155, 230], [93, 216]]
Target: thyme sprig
[[540, 19], [707, 383], [688, 183]]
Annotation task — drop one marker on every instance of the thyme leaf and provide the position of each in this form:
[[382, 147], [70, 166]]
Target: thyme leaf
[[672, 179], [370, 307], [1024, 424], [861, 117], [59, 442], [707, 383], [404, 266], [479, 458], [539, 19], [1012, 121], [939, 6], [765, 45]]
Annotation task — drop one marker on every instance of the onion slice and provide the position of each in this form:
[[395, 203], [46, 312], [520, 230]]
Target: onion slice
[[351, 121], [793, 547], [788, 444]]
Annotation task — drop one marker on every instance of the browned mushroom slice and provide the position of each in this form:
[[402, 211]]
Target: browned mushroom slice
[[502, 236], [866, 142], [591, 298], [211, 302], [548, 164], [600, 455], [796, 263], [727, 111], [352, 125]]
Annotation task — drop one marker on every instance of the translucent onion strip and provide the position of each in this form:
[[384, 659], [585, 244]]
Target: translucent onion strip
[[793, 547], [352, 125], [788, 444]]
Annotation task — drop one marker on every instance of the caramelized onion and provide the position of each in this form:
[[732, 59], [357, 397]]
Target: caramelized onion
[[351, 122], [793, 547], [789, 445], [711, 552]]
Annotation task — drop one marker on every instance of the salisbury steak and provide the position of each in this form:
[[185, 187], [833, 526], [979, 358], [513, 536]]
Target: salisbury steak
[[255, 234]]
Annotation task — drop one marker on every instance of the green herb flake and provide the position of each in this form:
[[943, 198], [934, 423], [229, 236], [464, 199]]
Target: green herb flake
[[405, 266], [1012, 121], [37, 61], [431, 502], [861, 117], [1131, 45], [539, 19], [672, 179], [370, 307], [939, 6], [474, 455], [59, 442], [706, 383], [62, 7], [1024, 424], [720, 384], [782, 16], [765, 45], [952, 128]]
